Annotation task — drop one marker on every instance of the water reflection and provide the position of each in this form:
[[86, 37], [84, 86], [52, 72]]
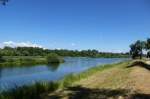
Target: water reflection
[[53, 66], [0, 72], [12, 76]]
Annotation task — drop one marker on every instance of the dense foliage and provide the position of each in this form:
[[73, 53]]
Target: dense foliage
[[137, 49], [21, 60], [54, 58], [30, 51], [1, 58]]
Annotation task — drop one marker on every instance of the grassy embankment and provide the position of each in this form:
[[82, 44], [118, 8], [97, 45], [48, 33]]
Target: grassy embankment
[[30, 60], [40, 90], [22, 60], [125, 80]]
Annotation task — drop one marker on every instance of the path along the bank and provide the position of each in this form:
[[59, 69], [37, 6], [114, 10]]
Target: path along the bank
[[118, 82]]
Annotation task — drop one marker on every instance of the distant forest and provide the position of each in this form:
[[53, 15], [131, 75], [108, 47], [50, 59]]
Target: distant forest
[[33, 51]]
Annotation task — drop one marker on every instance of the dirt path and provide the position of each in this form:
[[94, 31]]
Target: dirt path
[[97, 79], [115, 83], [136, 78], [113, 78], [141, 80]]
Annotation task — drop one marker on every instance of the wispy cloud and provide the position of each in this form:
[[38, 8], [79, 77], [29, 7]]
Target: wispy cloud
[[21, 44], [73, 44]]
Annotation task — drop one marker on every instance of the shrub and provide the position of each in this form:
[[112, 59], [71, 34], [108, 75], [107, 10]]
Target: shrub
[[54, 58], [1, 58]]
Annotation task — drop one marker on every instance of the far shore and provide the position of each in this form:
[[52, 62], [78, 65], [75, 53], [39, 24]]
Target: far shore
[[11, 61]]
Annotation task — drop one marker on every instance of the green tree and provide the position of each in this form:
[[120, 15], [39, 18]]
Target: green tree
[[1, 58], [148, 54], [148, 44], [34, 51], [54, 58], [148, 47], [136, 49]]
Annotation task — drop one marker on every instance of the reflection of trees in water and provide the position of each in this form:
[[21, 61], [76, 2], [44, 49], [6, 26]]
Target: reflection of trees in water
[[53, 66], [1, 72]]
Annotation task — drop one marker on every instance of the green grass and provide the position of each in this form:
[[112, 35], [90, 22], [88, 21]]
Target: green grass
[[39, 90], [35, 91], [69, 79], [11, 61], [22, 60]]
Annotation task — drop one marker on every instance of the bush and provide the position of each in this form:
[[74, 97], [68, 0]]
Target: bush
[[1, 58], [148, 54], [54, 58]]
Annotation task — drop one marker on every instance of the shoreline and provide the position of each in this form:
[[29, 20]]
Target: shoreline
[[66, 81], [15, 61], [22, 60]]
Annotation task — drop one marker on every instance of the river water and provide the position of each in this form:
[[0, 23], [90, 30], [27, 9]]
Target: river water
[[18, 76]]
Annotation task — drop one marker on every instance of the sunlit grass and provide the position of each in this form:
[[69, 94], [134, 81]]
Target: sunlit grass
[[11, 61]]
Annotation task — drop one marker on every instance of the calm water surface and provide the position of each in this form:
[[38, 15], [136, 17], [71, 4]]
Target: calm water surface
[[18, 76]]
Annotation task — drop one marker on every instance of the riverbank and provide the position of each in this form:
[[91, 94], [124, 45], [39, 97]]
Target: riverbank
[[22, 60], [11, 61], [125, 80], [40, 90]]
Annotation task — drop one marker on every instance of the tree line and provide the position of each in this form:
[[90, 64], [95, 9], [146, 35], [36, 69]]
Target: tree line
[[140, 48], [35, 51]]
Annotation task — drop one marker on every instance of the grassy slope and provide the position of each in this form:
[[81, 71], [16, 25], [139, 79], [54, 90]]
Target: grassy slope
[[22, 60], [116, 82]]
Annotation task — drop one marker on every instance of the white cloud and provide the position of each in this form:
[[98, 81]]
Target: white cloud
[[21, 44], [73, 44], [114, 51]]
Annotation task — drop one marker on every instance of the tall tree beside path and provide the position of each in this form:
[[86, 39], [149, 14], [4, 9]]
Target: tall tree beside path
[[148, 47], [136, 49]]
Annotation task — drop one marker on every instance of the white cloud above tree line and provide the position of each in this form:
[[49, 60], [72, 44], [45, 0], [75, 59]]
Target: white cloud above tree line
[[20, 44]]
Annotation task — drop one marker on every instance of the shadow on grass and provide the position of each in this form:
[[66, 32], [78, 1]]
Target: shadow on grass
[[79, 92], [140, 64], [140, 96], [86, 93]]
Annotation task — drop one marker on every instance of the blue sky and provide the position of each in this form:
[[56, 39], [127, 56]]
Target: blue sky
[[106, 25]]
